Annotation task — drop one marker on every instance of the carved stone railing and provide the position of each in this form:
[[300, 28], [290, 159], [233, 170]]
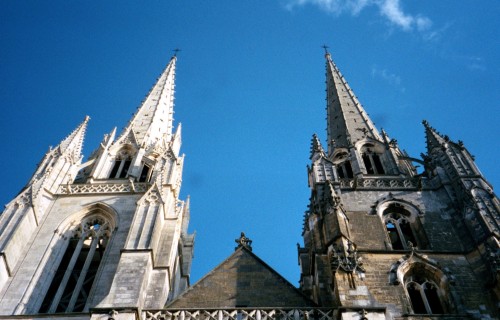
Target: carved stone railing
[[381, 183], [91, 188], [241, 314]]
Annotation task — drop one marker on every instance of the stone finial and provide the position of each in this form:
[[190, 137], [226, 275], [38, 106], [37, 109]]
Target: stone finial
[[243, 241]]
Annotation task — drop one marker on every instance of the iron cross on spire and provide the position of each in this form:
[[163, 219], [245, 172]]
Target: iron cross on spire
[[325, 47], [175, 51]]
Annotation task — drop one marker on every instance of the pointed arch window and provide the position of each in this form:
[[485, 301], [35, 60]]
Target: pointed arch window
[[73, 280], [424, 296], [403, 229], [121, 165], [343, 165]]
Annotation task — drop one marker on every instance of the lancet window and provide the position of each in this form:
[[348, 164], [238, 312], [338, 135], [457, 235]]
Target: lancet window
[[73, 280], [121, 165]]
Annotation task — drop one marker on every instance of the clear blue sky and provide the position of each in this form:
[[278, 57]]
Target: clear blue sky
[[250, 93]]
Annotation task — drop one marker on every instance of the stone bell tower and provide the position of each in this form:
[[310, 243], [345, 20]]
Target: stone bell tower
[[107, 236], [384, 242]]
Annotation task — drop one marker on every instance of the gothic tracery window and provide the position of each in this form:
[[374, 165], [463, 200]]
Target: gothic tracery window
[[75, 275], [400, 227], [424, 296]]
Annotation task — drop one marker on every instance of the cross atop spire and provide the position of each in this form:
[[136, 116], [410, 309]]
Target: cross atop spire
[[348, 122], [154, 118]]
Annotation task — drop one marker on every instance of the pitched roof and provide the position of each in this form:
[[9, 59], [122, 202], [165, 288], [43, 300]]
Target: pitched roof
[[242, 280]]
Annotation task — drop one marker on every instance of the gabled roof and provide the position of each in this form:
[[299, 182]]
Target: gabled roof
[[242, 280]]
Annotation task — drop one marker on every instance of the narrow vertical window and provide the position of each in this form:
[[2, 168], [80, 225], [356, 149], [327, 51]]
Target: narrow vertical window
[[115, 169], [144, 177], [368, 164], [124, 171], [348, 169], [417, 303], [378, 164], [75, 275]]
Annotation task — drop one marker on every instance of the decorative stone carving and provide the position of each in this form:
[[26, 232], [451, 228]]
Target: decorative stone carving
[[241, 314], [243, 241], [348, 261], [103, 188]]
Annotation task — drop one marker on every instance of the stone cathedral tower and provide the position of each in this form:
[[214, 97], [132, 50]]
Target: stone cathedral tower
[[110, 233], [383, 239]]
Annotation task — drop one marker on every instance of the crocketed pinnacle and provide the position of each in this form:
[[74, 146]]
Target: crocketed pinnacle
[[316, 146], [74, 142], [348, 122], [154, 118]]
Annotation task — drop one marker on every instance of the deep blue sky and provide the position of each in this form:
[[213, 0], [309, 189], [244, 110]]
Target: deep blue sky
[[250, 93]]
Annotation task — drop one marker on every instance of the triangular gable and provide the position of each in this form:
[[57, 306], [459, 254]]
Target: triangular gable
[[242, 280]]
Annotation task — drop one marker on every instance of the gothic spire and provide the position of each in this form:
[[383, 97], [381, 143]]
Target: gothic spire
[[153, 120], [348, 122], [74, 142]]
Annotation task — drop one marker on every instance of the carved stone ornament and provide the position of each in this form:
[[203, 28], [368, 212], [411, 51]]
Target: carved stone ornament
[[349, 262], [243, 241]]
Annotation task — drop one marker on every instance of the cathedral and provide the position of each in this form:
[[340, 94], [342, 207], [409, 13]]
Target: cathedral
[[107, 237]]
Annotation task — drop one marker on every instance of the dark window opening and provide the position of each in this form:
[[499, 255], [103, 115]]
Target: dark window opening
[[349, 169], [378, 164], [124, 171], [433, 298], [344, 170], [368, 164], [424, 297], [373, 164], [115, 169], [405, 227], [417, 303], [144, 173], [340, 172]]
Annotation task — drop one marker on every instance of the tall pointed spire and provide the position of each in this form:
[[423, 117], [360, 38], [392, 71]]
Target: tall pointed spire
[[348, 122], [74, 142], [153, 120]]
